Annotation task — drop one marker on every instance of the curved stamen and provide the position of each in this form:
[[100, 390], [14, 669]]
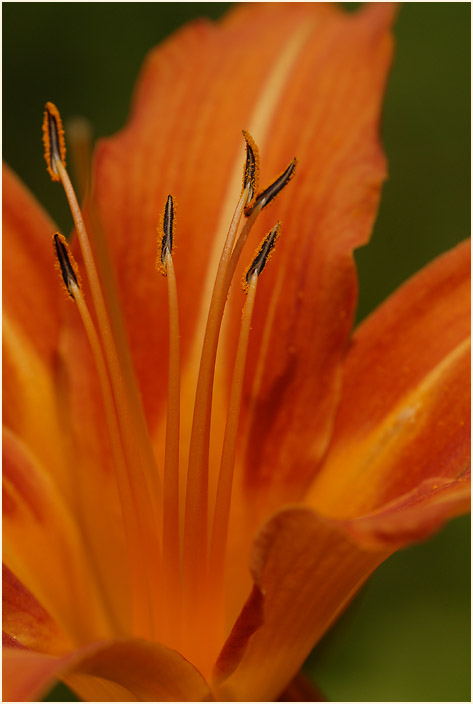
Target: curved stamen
[[227, 463], [141, 597], [171, 544], [225, 478], [137, 443], [195, 527]]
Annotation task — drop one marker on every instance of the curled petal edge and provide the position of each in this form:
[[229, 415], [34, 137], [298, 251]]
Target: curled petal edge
[[323, 563], [128, 670]]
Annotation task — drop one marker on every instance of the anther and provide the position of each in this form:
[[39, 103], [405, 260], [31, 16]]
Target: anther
[[262, 256], [67, 264], [166, 236], [269, 193], [53, 140], [251, 171]]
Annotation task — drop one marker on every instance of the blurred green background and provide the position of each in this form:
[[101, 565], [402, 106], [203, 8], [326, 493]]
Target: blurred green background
[[407, 635]]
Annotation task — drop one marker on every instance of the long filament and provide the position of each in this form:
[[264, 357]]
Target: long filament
[[195, 527], [171, 546], [141, 597], [144, 475], [122, 398], [227, 464]]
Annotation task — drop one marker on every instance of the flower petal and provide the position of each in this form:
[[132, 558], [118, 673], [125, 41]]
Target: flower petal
[[131, 670], [29, 280], [50, 384], [404, 414], [254, 70], [415, 515], [329, 119], [42, 545], [25, 620], [307, 571], [27, 675], [31, 322]]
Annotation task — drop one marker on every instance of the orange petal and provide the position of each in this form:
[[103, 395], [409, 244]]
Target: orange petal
[[112, 671], [32, 301], [30, 284], [43, 547], [307, 570], [405, 409], [254, 71], [50, 384], [27, 675], [329, 118], [26, 621], [415, 515], [327, 114]]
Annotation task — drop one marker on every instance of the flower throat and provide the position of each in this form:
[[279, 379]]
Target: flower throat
[[171, 561]]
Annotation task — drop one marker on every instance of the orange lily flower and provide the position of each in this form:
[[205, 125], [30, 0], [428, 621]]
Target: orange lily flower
[[183, 522]]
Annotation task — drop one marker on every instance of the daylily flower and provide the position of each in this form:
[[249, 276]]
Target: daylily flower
[[139, 563]]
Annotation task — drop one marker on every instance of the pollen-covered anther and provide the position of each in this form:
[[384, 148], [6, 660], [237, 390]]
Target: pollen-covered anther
[[165, 235], [269, 193], [251, 171], [66, 265], [53, 140], [262, 256]]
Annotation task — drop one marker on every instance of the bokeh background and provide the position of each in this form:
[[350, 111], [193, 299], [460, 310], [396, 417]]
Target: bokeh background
[[406, 637]]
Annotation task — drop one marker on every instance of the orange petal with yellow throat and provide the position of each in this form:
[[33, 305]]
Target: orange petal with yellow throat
[[307, 565], [129, 670], [306, 80], [405, 408], [306, 569]]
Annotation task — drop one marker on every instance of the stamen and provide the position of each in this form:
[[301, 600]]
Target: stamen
[[251, 172], [269, 193], [66, 264], [53, 140], [137, 443], [227, 464], [171, 546], [195, 527], [133, 529], [195, 531], [262, 256]]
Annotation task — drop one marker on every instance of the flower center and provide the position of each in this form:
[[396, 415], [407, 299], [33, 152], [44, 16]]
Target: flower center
[[171, 562]]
